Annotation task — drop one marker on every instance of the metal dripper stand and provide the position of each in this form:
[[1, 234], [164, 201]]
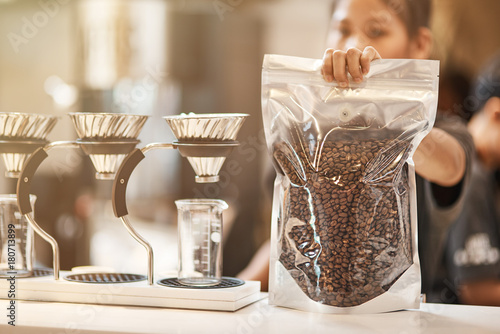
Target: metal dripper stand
[[107, 139], [204, 139], [110, 140], [21, 134]]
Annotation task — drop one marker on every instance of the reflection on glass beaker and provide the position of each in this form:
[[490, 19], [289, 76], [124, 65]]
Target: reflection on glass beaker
[[16, 239], [200, 241]]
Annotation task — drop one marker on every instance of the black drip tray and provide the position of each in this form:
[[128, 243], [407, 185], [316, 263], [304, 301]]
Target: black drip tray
[[227, 282], [40, 272], [105, 278]]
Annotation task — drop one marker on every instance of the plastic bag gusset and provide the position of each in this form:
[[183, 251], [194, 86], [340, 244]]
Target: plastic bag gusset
[[345, 234]]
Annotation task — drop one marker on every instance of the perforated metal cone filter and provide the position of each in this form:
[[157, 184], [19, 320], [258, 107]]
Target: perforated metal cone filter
[[209, 127], [107, 127], [106, 165], [206, 167], [17, 126], [14, 163], [22, 127]]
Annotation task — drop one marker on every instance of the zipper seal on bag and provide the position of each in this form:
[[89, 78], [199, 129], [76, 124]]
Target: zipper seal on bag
[[397, 74], [287, 77]]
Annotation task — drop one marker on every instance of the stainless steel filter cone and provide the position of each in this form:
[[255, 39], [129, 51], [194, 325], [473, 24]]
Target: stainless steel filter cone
[[208, 130], [14, 163], [102, 126], [23, 126], [107, 138], [206, 127], [20, 135], [206, 169], [106, 164]]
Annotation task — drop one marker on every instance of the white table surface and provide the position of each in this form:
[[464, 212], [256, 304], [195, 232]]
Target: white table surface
[[63, 318]]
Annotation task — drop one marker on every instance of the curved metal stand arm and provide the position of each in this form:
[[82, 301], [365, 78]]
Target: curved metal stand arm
[[122, 177], [144, 243], [23, 196], [119, 197], [47, 237], [24, 181]]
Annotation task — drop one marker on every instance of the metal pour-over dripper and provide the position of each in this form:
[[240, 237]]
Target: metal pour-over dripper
[[20, 135], [107, 138], [205, 140]]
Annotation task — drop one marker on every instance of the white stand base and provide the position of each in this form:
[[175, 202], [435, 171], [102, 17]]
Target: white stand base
[[132, 294]]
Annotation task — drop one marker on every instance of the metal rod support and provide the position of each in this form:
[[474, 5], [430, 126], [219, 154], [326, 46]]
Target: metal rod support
[[119, 201], [154, 146], [144, 243], [61, 144], [24, 204], [50, 240]]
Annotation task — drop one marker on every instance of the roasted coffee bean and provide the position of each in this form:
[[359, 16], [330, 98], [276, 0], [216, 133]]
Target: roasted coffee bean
[[345, 227]]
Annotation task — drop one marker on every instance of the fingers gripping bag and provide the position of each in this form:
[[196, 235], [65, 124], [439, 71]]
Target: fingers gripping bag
[[344, 219]]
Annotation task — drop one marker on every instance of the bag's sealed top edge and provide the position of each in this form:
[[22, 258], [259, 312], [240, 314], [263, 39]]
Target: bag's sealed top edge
[[416, 73]]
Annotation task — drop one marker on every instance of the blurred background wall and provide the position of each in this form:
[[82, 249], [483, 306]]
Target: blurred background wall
[[160, 57]]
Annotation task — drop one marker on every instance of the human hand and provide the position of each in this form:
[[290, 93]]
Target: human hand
[[337, 63]]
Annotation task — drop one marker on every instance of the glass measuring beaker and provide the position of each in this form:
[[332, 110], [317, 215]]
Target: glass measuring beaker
[[16, 239], [200, 241]]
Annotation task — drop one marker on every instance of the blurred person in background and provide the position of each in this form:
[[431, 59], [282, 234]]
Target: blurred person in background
[[472, 257], [360, 32]]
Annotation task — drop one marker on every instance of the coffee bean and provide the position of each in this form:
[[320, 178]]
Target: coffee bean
[[345, 223]]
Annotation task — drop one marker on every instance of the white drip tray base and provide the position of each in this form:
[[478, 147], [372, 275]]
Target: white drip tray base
[[47, 289]]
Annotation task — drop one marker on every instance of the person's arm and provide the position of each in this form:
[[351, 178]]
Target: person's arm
[[486, 292], [440, 158], [258, 268]]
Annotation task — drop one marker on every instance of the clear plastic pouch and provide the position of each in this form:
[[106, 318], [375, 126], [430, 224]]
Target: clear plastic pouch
[[344, 210]]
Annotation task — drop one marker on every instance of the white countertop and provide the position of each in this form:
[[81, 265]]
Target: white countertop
[[59, 318]]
